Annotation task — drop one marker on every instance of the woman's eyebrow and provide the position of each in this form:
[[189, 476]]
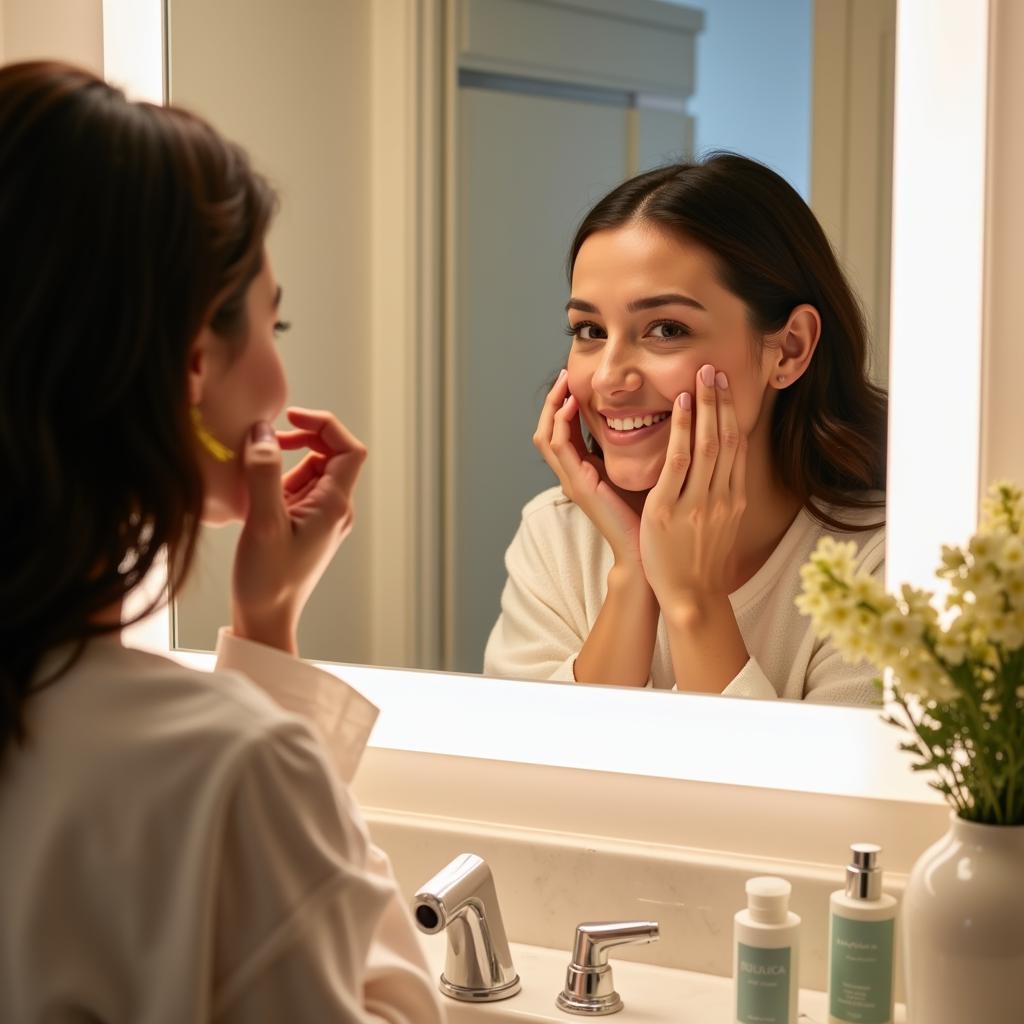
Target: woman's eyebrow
[[671, 299], [277, 297]]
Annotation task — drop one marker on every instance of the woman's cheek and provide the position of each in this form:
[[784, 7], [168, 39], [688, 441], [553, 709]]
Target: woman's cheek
[[579, 384]]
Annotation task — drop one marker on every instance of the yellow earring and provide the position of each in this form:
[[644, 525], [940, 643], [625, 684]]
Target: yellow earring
[[219, 451]]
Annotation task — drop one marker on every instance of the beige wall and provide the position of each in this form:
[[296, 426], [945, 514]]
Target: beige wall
[[70, 30], [1002, 452], [291, 83]]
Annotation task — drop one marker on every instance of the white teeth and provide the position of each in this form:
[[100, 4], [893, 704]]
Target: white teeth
[[635, 422]]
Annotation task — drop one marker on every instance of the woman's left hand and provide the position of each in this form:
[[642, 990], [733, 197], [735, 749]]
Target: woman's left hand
[[692, 515]]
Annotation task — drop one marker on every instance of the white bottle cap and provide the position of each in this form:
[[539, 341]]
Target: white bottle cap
[[768, 899]]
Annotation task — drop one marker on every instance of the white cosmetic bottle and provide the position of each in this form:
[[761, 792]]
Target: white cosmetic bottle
[[861, 944], [766, 947]]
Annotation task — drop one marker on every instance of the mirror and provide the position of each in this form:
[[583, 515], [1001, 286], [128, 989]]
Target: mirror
[[611, 87]]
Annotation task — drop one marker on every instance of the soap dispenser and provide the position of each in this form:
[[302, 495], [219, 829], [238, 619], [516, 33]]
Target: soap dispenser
[[861, 942]]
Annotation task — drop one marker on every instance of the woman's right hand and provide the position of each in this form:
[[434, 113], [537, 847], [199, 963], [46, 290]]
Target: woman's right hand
[[559, 439], [294, 524]]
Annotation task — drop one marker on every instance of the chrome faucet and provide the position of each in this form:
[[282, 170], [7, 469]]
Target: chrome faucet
[[462, 900], [589, 988]]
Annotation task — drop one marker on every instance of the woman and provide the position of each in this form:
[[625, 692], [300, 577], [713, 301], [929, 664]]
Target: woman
[[718, 363], [178, 846]]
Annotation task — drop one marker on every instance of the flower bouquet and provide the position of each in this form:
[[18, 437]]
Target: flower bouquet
[[957, 677]]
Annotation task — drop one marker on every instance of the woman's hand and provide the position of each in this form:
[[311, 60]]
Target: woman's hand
[[692, 514], [295, 522], [559, 438]]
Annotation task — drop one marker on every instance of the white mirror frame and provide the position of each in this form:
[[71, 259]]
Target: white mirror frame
[[942, 65]]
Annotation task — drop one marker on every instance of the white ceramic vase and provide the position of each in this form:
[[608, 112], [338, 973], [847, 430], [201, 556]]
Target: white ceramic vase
[[963, 927]]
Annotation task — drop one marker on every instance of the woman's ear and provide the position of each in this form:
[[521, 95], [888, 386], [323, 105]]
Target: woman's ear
[[790, 350], [199, 364]]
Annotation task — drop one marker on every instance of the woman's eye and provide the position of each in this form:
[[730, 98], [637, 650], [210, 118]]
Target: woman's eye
[[586, 331], [280, 327], [669, 330]]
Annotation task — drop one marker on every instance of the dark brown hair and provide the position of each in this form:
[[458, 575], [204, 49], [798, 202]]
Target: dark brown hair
[[829, 427], [126, 228]]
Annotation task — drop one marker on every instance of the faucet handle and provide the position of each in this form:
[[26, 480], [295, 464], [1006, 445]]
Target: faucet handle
[[595, 938], [589, 987]]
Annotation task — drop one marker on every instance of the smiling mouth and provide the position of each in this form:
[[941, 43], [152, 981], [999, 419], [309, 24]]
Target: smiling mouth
[[631, 424]]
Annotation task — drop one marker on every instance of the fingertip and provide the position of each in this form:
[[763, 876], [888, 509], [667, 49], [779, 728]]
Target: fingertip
[[685, 402], [567, 408]]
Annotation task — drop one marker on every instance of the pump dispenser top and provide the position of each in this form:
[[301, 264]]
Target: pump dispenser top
[[863, 875]]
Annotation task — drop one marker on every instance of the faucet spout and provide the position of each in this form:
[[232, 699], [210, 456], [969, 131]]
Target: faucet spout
[[461, 900]]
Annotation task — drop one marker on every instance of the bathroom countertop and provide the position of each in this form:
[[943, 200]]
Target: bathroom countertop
[[650, 993]]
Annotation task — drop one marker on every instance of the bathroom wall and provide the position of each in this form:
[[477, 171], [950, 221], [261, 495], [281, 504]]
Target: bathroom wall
[[1002, 450], [71, 30], [305, 120], [754, 58]]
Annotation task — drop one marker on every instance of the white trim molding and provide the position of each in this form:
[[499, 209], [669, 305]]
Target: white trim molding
[[406, 471]]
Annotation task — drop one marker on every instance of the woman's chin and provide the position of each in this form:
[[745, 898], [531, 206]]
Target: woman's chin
[[633, 474]]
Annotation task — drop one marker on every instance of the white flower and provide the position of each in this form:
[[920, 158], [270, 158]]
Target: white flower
[[813, 603], [838, 619], [838, 557], [987, 607], [865, 620], [953, 560], [1006, 630], [986, 548], [865, 589], [953, 649], [1003, 507], [1013, 587], [925, 680], [901, 631], [855, 649], [1012, 557]]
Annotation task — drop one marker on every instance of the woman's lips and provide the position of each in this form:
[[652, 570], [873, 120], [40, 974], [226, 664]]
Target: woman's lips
[[609, 435]]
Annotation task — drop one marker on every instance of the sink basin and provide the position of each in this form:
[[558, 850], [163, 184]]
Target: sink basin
[[651, 994]]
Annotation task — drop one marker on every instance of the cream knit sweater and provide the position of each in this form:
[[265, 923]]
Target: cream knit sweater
[[558, 567]]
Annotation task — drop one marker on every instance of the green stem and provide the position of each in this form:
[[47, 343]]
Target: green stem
[[980, 768], [956, 793]]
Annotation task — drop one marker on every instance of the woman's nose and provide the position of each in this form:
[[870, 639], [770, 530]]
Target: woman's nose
[[616, 371]]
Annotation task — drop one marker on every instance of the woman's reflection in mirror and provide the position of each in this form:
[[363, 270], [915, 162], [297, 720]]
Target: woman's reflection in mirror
[[719, 362]]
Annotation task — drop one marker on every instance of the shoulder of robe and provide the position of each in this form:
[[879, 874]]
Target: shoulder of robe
[[549, 502], [161, 696]]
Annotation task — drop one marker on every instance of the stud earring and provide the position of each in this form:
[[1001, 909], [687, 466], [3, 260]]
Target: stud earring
[[221, 452], [781, 379]]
